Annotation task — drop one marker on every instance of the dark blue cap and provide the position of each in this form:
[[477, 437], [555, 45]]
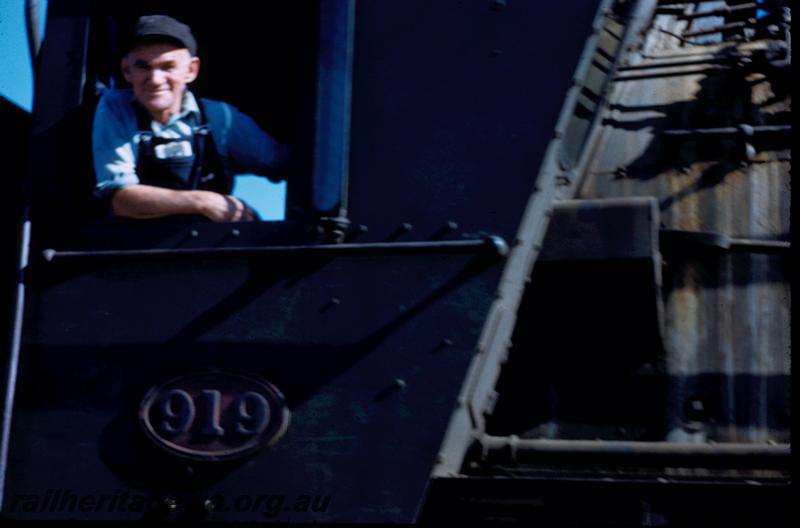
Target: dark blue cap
[[155, 28]]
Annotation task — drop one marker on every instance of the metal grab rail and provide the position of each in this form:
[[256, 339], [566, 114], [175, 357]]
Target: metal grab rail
[[740, 131], [493, 245], [514, 449]]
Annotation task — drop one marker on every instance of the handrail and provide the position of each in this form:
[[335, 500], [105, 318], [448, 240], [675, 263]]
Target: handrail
[[513, 449], [492, 244]]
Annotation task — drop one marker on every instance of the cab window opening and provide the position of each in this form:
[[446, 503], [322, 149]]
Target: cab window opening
[[280, 66], [233, 57]]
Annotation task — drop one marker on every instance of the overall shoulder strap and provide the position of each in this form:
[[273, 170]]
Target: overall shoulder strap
[[218, 115]]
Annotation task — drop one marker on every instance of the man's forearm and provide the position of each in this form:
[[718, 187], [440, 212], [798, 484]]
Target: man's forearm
[[146, 201]]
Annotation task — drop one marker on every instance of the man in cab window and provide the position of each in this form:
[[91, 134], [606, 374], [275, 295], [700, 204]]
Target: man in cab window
[[161, 151]]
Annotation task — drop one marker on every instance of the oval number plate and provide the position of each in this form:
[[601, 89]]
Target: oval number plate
[[214, 415]]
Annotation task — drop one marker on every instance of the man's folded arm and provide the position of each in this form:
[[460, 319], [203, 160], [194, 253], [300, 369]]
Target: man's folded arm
[[146, 201]]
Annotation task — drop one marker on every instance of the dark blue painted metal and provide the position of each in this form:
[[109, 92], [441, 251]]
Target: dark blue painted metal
[[85, 370], [443, 129], [447, 137]]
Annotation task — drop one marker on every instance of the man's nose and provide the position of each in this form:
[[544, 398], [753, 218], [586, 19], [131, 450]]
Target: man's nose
[[156, 75]]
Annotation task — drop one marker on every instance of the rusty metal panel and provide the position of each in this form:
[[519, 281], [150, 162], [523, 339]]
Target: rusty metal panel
[[586, 395], [608, 41], [602, 230], [727, 315]]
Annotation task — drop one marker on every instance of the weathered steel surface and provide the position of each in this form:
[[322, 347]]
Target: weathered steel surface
[[589, 406], [728, 339], [603, 230], [581, 358]]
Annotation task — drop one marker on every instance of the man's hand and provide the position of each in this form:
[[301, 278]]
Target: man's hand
[[224, 207], [146, 201]]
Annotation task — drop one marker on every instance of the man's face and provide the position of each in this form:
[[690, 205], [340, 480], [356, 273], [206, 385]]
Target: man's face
[[159, 74]]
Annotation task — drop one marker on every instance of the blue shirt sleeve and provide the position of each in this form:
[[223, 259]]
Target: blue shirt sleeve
[[113, 136], [253, 151]]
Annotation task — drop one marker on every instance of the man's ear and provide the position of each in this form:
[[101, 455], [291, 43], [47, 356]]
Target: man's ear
[[126, 68], [194, 69]]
